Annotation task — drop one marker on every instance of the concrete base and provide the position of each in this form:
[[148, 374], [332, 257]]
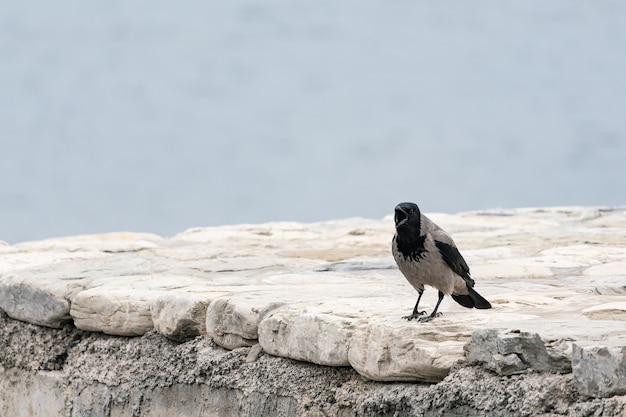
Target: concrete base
[[110, 376]]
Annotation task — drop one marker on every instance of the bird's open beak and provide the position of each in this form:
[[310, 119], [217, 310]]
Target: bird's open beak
[[400, 217]]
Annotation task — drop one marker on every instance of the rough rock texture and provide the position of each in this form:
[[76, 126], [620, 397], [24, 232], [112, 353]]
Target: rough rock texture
[[514, 352], [69, 372], [310, 334], [329, 294], [385, 352], [181, 315], [600, 371]]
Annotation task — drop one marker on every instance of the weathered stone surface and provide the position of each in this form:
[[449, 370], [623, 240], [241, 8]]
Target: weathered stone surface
[[181, 315], [104, 242], [329, 292], [43, 295], [113, 311], [599, 371], [404, 352], [308, 333], [607, 311], [105, 376], [123, 305], [33, 304], [513, 352], [233, 323]]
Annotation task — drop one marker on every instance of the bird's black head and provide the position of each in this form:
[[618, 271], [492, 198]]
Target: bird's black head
[[407, 217]]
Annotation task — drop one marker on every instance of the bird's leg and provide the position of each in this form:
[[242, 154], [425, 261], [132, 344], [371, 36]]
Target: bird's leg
[[434, 313], [416, 313]]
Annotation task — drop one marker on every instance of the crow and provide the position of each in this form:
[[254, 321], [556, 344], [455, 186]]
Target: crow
[[427, 255]]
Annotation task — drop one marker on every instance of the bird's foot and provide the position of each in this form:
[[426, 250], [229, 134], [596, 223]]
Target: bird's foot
[[414, 315], [429, 318]]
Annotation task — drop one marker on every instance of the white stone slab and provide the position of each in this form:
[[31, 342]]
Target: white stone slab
[[607, 311], [114, 311], [404, 351], [308, 332], [123, 305], [181, 315]]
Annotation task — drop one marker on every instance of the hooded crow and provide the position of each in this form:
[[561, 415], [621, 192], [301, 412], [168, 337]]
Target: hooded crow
[[427, 255]]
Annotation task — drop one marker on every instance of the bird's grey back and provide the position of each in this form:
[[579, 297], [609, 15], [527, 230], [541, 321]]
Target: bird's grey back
[[430, 268]]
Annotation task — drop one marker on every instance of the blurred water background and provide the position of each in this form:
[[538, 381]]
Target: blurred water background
[[158, 116]]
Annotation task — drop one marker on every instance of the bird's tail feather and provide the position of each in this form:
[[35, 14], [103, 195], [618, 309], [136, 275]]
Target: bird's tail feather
[[471, 300]]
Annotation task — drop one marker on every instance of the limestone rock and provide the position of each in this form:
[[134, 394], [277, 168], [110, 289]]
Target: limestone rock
[[307, 333], [254, 353], [43, 294], [29, 303], [181, 315], [232, 322], [122, 305], [115, 312], [513, 352], [607, 311], [506, 364], [103, 242], [404, 351], [599, 371]]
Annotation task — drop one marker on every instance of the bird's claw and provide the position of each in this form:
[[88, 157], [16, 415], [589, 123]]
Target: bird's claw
[[414, 315], [428, 318]]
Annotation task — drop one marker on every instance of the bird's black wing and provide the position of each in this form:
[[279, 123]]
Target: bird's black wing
[[455, 261]]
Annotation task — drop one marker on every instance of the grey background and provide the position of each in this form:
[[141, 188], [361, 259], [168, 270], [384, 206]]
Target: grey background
[[158, 116]]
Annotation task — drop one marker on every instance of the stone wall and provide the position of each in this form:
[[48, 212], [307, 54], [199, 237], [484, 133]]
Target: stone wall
[[304, 319]]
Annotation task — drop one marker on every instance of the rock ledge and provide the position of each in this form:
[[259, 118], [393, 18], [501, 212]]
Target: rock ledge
[[328, 293]]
